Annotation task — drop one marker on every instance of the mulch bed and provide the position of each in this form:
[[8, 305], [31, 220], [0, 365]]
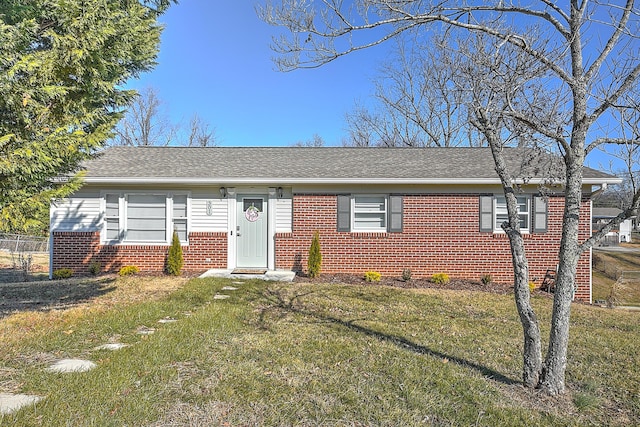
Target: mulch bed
[[419, 283]]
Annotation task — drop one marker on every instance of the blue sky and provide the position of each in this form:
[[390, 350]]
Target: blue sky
[[215, 61]]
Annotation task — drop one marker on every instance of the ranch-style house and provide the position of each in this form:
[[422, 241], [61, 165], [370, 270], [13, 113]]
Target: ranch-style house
[[430, 210]]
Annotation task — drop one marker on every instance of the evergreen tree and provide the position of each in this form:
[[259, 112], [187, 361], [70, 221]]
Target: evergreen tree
[[62, 67], [314, 262], [175, 259]]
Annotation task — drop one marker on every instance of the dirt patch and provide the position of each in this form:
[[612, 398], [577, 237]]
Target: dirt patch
[[454, 284]]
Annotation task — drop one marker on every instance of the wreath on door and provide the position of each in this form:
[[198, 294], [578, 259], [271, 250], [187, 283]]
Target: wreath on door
[[252, 213]]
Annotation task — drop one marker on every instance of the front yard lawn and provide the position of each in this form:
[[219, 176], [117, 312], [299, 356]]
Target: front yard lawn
[[309, 354]]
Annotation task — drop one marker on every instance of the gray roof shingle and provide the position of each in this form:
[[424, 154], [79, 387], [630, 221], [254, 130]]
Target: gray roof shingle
[[308, 165]]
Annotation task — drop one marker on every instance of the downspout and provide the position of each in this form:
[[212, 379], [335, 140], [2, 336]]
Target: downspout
[[602, 188], [51, 210], [50, 255]]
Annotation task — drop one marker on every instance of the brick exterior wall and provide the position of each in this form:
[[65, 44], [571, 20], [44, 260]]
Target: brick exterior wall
[[440, 235], [76, 250]]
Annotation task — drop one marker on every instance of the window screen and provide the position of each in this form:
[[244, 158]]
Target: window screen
[[180, 216], [502, 214], [112, 216], [370, 213], [146, 217]]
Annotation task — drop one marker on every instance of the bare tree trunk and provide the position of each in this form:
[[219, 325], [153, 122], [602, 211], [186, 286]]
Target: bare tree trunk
[[532, 348], [532, 351], [552, 379]]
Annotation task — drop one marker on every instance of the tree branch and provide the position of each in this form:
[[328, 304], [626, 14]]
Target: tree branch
[[629, 80], [611, 43]]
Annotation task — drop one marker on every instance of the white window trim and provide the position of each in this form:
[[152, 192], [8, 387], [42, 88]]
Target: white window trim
[[369, 230], [497, 228], [103, 210], [122, 212]]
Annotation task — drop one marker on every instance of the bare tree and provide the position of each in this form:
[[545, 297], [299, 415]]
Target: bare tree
[[199, 133], [585, 60], [315, 141], [145, 123], [418, 103]]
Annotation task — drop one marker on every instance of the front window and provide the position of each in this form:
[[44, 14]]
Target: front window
[[145, 218], [502, 216], [369, 213]]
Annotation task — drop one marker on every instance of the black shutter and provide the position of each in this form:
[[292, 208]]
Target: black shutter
[[344, 212], [395, 214], [539, 214], [486, 214]]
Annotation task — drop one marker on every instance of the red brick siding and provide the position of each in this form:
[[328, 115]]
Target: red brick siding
[[76, 250], [441, 235]]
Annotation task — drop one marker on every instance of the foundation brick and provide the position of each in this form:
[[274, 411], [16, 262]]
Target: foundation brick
[[76, 250]]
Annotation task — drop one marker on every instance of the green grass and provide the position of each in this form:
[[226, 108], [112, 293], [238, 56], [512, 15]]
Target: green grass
[[310, 354]]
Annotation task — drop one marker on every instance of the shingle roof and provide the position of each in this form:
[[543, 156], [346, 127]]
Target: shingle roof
[[606, 212], [308, 165]]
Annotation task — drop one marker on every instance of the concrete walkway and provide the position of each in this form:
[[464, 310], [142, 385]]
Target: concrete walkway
[[275, 275]]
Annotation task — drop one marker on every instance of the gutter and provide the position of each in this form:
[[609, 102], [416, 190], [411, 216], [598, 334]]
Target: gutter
[[288, 181]]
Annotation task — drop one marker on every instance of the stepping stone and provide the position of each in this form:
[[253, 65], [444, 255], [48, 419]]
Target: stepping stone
[[143, 330], [111, 346], [12, 402], [229, 288], [72, 365], [167, 320], [238, 283], [220, 296]]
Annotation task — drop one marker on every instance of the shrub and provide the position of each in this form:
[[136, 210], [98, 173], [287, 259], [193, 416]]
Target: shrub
[[486, 279], [532, 286], [314, 263], [440, 278], [406, 274], [175, 259], [128, 270], [94, 268], [372, 276], [62, 273]]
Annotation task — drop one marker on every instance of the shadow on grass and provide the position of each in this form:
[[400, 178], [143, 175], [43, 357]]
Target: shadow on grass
[[50, 295], [283, 304]]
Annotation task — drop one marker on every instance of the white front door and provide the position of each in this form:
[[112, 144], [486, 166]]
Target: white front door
[[251, 231]]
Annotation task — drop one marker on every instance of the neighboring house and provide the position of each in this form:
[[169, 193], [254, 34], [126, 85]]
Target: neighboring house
[[430, 210], [621, 234]]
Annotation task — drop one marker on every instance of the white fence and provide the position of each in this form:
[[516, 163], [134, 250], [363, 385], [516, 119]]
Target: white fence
[[20, 243]]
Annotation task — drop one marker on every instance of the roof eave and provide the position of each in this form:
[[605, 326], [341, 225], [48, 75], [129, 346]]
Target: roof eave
[[291, 181]]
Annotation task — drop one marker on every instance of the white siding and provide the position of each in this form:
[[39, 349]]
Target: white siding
[[81, 212], [284, 215], [208, 213]]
